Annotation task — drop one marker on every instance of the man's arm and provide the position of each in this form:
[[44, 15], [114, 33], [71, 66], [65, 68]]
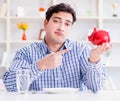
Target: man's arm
[[21, 60], [93, 70]]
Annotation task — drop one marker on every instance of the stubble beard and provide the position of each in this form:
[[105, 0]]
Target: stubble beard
[[59, 40]]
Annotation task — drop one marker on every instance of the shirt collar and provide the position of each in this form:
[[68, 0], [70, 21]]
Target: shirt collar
[[45, 49], [67, 45]]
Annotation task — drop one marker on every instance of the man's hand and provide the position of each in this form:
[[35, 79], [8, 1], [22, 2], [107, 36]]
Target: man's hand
[[52, 60], [96, 53]]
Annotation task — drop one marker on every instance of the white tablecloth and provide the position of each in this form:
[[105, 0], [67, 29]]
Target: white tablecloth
[[79, 96]]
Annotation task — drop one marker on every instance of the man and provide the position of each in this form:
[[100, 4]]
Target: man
[[58, 61]]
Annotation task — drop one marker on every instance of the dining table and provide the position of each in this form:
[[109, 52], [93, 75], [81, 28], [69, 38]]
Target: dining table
[[104, 95]]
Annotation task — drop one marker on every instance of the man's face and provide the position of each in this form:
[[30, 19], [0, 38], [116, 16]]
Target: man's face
[[58, 27]]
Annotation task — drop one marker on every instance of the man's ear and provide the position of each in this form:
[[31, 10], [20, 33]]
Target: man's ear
[[45, 23]]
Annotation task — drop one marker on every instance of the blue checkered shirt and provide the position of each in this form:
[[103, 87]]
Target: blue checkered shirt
[[75, 71]]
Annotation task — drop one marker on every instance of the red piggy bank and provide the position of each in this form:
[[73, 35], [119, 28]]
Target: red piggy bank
[[98, 37]]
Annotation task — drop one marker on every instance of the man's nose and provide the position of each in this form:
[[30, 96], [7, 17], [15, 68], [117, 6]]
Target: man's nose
[[61, 27]]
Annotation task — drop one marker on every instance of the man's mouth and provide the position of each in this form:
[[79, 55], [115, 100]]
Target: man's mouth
[[59, 33]]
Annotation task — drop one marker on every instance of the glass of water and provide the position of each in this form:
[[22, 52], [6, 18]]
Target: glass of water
[[23, 80]]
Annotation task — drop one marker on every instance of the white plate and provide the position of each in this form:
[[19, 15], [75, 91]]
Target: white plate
[[60, 90]]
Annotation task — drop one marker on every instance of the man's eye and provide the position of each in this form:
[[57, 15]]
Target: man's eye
[[67, 24], [55, 21]]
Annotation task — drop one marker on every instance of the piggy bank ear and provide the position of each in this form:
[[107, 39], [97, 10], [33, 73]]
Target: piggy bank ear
[[95, 29], [91, 31]]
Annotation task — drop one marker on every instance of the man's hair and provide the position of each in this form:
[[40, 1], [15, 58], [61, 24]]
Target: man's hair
[[62, 7]]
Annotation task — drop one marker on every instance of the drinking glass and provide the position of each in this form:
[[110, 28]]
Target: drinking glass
[[23, 80]]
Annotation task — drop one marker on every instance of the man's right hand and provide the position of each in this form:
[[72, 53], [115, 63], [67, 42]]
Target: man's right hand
[[52, 60]]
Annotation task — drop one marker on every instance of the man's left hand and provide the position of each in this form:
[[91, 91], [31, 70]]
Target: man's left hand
[[97, 52]]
